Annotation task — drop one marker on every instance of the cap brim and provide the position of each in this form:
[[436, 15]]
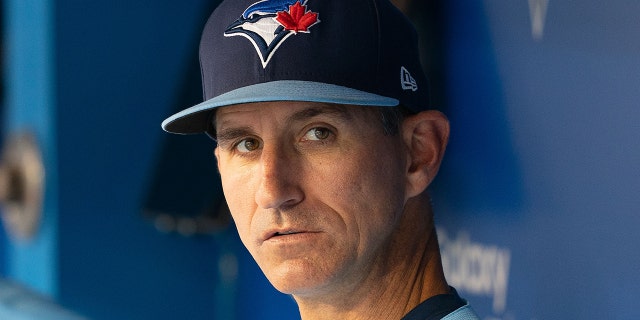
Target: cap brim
[[194, 119]]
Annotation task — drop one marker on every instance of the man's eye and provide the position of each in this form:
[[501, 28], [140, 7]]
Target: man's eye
[[247, 145], [316, 134]]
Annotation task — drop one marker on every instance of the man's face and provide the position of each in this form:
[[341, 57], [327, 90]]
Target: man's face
[[315, 190]]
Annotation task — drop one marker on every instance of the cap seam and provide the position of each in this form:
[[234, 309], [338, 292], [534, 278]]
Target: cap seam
[[378, 27]]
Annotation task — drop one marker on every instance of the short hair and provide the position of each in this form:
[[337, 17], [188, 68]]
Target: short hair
[[392, 118]]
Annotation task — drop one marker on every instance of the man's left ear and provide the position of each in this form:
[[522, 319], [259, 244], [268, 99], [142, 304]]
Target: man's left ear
[[426, 135]]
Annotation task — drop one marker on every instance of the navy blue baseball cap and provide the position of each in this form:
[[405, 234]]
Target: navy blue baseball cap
[[356, 52]]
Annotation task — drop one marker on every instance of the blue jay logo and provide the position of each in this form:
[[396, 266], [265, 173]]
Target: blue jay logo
[[268, 23]]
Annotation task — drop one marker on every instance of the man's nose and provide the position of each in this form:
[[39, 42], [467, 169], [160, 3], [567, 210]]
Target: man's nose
[[279, 181]]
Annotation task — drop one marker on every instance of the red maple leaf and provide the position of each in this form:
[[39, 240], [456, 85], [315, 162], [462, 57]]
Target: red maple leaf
[[297, 19]]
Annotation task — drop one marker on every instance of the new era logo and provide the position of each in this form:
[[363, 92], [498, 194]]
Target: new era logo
[[407, 81]]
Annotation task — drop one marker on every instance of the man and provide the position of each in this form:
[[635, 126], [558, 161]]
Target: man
[[325, 148]]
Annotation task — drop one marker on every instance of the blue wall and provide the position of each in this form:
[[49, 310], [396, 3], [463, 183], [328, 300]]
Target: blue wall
[[537, 201], [28, 72]]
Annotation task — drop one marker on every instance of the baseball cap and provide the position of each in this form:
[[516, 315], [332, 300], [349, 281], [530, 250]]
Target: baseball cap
[[356, 52]]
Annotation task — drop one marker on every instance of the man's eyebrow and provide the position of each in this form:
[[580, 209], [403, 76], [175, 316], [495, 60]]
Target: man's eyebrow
[[225, 136], [332, 110]]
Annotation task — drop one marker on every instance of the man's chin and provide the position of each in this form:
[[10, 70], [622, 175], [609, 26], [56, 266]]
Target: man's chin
[[299, 281]]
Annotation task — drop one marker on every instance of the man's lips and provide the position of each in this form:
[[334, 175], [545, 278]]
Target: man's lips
[[277, 233]]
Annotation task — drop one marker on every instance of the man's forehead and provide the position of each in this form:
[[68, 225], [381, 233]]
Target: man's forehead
[[287, 110]]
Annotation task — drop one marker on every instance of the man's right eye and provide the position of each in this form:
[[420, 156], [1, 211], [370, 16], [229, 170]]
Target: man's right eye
[[247, 145]]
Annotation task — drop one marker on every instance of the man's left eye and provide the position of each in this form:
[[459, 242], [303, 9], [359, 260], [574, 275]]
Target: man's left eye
[[317, 134]]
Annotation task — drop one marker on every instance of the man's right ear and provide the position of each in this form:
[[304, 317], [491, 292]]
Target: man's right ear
[[216, 153], [426, 135]]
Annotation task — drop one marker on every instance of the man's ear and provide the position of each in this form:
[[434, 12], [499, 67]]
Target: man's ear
[[426, 135], [216, 152]]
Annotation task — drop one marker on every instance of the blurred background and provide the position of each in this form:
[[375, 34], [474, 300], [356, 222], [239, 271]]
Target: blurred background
[[105, 216]]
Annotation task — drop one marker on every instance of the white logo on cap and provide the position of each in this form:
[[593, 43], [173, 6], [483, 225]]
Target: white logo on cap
[[407, 81]]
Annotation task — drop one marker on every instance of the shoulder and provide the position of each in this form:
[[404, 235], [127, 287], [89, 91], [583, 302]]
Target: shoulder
[[463, 313]]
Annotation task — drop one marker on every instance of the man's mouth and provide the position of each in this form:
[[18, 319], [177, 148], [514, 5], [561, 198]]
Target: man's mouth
[[274, 234], [284, 233]]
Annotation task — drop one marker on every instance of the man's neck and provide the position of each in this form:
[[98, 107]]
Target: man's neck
[[411, 273]]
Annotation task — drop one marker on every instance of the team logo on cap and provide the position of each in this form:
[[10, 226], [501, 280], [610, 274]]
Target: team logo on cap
[[268, 23]]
